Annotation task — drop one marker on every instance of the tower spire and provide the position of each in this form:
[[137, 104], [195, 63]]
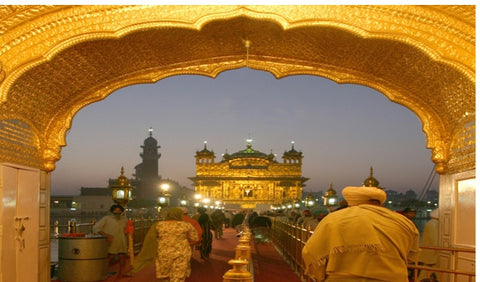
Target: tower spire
[[249, 142], [371, 181], [150, 131]]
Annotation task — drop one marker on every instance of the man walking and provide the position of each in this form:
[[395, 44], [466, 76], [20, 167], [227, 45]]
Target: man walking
[[363, 242]]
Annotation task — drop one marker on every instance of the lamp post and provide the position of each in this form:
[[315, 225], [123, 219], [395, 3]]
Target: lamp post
[[121, 190], [183, 200], [122, 194], [206, 202], [218, 204], [297, 204], [309, 201], [163, 199], [198, 199], [330, 198]]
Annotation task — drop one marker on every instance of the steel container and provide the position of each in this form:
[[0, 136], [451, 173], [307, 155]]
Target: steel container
[[82, 259]]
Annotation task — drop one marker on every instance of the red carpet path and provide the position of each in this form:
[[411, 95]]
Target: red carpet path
[[268, 264]]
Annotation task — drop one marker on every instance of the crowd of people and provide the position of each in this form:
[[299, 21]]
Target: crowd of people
[[361, 239], [170, 242]]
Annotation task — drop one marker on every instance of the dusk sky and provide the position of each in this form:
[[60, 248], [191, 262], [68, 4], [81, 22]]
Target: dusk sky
[[342, 130]]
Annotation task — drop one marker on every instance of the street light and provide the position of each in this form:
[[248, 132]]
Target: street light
[[330, 198], [165, 187], [164, 198], [297, 204], [198, 199], [206, 202], [121, 190], [183, 201], [163, 201], [309, 201]]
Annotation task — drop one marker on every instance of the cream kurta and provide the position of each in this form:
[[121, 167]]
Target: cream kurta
[[174, 251], [361, 243], [115, 227]]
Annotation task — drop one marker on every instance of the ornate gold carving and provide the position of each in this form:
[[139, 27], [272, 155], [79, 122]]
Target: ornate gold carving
[[249, 180], [422, 57], [2, 73], [463, 147], [18, 143]]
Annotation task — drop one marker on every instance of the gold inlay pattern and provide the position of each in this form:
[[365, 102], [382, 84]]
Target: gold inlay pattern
[[54, 60]]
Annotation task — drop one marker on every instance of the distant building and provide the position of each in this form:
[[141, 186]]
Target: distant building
[[146, 178], [92, 203], [249, 178], [146, 183], [93, 199]]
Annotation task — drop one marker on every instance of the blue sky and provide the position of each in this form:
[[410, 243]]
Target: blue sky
[[342, 130]]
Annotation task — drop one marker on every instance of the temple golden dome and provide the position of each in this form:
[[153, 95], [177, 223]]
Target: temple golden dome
[[205, 152], [330, 192], [371, 181], [248, 153], [293, 152]]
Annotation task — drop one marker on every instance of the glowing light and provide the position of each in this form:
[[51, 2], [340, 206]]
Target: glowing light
[[165, 187], [120, 194]]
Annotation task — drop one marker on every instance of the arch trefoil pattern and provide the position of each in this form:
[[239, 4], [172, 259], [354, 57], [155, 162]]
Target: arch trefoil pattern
[[54, 60]]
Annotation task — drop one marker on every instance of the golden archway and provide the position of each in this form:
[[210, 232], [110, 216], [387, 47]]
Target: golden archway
[[54, 60]]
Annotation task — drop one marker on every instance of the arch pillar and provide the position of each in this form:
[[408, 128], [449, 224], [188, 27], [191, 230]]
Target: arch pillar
[[457, 218]]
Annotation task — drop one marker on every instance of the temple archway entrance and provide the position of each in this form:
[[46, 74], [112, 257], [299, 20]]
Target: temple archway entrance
[[56, 60]]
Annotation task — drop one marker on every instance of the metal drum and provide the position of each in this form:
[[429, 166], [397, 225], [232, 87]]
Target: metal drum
[[82, 259]]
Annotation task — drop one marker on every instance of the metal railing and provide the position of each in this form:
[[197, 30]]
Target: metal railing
[[290, 239]]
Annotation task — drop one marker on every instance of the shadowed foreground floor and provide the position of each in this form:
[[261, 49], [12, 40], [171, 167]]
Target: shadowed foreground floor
[[267, 263]]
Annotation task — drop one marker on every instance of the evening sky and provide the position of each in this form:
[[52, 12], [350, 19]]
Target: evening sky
[[342, 130]]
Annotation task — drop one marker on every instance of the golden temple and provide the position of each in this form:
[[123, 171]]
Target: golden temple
[[249, 178]]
